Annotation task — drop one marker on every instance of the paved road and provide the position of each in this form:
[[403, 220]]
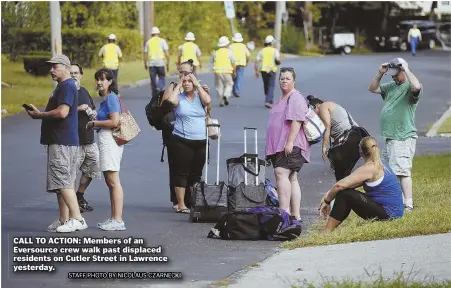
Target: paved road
[[27, 209]]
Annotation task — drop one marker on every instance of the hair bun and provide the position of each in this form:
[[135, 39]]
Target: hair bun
[[310, 97]]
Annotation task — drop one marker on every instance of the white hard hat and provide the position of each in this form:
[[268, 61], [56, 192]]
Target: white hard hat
[[269, 39], [223, 41], [237, 37], [112, 37], [190, 36], [155, 30]]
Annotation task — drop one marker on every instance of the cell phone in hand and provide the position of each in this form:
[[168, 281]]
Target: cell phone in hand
[[27, 107]]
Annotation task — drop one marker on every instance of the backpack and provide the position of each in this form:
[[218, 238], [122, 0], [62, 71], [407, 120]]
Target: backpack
[[154, 111], [258, 223], [272, 198], [313, 127]]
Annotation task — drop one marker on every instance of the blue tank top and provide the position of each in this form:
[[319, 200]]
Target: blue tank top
[[388, 193], [190, 118]]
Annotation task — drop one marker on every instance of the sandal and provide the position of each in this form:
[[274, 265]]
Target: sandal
[[184, 211]]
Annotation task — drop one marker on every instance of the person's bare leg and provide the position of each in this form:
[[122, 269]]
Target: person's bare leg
[[84, 183], [295, 195], [406, 185], [64, 210], [116, 194], [283, 187], [70, 199], [331, 224], [180, 193]]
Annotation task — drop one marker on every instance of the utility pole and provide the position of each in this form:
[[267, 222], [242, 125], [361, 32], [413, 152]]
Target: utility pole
[[55, 24], [147, 26], [278, 24], [139, 7], [151, 14]]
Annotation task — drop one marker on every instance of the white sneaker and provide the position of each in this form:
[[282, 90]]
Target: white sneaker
[[72, 225], [113, 225], [103, 223], [408, 208], [55, 224]]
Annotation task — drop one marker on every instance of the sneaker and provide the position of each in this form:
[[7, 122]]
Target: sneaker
[[84, 206], [103, 223], [226, 102], [113, 225], [268, 105], [55, 224], [408, 208], [236, 95], [72, 225]]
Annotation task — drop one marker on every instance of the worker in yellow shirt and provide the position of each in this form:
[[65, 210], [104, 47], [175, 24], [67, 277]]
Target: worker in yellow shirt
[[266, 63], [241, 54], [189, 50], [414, 38], [156, 55], [224, 68], [111, 54]]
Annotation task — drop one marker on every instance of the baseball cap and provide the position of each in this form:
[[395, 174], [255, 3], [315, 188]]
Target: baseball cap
[[60, 59], [393, 66]]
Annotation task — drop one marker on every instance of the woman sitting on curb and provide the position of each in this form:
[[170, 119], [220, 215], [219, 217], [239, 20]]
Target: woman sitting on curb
[[383, 197]]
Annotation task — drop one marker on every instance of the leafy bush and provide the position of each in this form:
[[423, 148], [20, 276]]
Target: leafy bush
[[81, 45], [293, 41]]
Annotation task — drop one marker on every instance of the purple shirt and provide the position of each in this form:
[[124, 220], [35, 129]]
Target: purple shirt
[[279, 124]]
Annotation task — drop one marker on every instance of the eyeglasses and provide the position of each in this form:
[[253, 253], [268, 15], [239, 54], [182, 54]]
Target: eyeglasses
[[285, 69]]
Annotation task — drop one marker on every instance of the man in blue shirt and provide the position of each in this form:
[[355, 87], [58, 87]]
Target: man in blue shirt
[[59, 131]]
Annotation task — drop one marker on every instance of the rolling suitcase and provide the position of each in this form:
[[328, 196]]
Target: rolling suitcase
[[209, 201], [243, 193]]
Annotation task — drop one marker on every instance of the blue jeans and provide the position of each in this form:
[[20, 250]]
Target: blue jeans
[[161, 73], [238, 80], [269, 82], [413, 44]]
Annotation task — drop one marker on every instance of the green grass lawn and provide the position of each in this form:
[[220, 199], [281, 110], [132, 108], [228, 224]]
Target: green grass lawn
[[400, 281], [446, 126], [432, 213]]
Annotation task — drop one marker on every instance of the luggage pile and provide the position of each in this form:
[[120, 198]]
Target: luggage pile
[[246, 208]]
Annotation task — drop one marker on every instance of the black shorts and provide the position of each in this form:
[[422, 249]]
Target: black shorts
[[293, 162]]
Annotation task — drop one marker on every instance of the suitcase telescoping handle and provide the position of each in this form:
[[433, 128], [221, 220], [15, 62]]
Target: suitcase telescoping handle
[[206, 152], [256, 153]]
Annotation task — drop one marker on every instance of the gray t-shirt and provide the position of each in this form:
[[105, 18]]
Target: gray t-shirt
[[160, 62]]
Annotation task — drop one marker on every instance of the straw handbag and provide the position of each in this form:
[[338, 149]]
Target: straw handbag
[[127, 129]]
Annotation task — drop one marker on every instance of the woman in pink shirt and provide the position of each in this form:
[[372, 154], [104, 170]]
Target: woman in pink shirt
[[286, 143]]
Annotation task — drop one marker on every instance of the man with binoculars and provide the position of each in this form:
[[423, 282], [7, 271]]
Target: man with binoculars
[[398, 129]]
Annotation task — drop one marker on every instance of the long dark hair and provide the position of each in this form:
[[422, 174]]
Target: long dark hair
[[314, 101], [105, 73]]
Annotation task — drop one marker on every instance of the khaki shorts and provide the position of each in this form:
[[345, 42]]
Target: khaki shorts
[[88, 160], [399, 155], [61, 167]]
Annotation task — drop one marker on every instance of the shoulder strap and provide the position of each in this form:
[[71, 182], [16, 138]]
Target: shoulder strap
[[349, 118]]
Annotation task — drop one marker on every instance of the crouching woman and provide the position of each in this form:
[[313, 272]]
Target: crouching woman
[[383, 197]]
